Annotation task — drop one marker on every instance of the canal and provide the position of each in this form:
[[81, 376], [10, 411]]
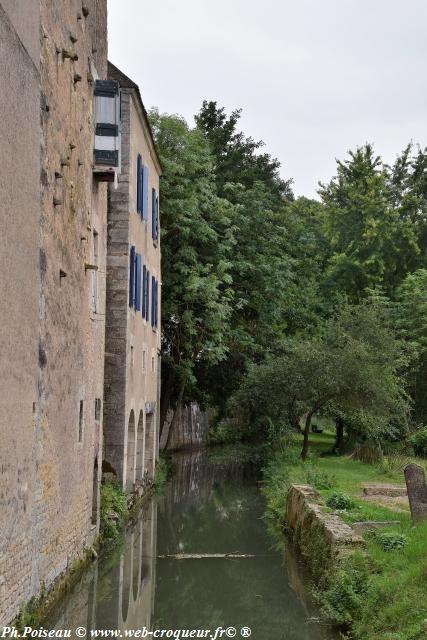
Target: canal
[[211, 506]]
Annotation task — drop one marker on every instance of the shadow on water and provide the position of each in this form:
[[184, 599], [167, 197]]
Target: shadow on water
[[208, 507]]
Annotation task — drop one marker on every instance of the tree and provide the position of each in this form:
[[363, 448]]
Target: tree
[[411, 323], [237, 158], [372, 243], [352, 365], [197, 242]]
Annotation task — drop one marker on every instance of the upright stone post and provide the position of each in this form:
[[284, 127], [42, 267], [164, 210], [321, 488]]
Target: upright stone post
[[417, 491]]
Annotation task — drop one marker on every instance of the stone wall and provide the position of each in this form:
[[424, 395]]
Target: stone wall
[[19, 292], [322, 537], [132, 344], [187, 429], [52, 334]]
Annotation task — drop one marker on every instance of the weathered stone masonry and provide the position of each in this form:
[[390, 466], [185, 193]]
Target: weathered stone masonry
[[53, 307], [132, 338]]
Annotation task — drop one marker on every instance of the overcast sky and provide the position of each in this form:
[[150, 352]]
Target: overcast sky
[[314, 77]]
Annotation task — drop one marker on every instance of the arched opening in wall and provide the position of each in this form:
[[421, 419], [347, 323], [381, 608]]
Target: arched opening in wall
[[140, 447], [95, 493], [149, 446], [130, 453]]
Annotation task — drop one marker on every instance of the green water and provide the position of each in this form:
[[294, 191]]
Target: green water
[[207, 508]]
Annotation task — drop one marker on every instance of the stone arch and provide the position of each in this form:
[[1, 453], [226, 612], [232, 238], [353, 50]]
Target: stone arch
[[140, 447], [149, 449], [130, 453]]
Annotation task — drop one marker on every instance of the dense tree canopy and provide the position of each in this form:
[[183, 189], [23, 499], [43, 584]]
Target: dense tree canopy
[[292, 306]]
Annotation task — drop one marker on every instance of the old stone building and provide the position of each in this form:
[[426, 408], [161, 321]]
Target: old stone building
[[53, 258], [133, 299]]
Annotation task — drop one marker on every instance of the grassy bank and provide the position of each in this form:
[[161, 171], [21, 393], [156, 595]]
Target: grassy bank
[[382, 596]]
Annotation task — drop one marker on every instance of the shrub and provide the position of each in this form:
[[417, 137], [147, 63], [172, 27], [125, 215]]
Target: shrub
[[419, 442], [343, 598], [391, 541], [340, 501], [113, 510], [319, 479]]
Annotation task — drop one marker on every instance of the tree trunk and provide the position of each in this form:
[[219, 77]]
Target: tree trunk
[[165, 400], [339, 438], [307, 426]]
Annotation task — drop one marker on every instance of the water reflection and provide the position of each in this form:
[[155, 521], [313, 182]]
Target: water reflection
[[207, 508]]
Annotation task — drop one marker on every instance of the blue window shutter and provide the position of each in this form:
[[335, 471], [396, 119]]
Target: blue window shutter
[[145, 193], [138, 184], [147, 309], [157, 216], [153, 213], [144, 290], [153, 299], [131, 276], [138, 264], [156, 314]]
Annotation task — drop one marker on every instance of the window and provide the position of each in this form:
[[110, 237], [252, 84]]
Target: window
[[138, 268], [132, 276], [145, 193], [144, 359], [139, 184], [145, 293], [97, 409], [154, 215], [154, 302], [153, 364], [81, 417], [94, 273]]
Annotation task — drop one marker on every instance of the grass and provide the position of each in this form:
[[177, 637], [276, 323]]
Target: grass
[[394, 604]]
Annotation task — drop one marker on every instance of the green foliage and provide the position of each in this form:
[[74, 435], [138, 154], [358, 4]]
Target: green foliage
[[164, 469], [391, 541], [419, 442], [351, 364], [344, 597], [114, 510], [318, 478], [340, 501], [197, 244], [225, 432]]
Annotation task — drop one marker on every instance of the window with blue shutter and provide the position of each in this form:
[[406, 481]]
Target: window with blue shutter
[[147, 308], [144, 290], [156, 310], [139, 184], [145, 193], [138, 269], [153, 299], [132, 276], [154, 215]]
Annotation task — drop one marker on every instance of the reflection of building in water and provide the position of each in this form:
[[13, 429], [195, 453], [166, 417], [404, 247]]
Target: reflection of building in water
[[118, 593]]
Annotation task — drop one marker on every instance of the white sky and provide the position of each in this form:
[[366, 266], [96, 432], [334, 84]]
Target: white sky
[[314, 77]]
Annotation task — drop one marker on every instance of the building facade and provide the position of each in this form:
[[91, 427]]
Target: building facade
[[54, 216], [132, 344]]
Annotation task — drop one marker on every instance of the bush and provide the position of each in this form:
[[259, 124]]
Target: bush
[[226, 433], [343, 599], [391, 541], [340, 501], [419, 442], [319, 479], [114, 510]]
